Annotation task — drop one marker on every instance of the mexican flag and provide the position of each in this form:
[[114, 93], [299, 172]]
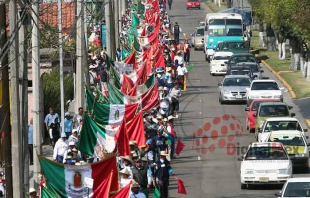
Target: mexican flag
[[71, 180], [149, 83], [46, 193], [113, 114], [96, 140]]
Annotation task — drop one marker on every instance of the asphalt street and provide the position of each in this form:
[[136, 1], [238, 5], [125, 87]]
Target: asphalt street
[[214, 135]]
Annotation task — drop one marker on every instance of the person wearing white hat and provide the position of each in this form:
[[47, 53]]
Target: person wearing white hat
[[181, 73], [125, 174], [60, 148], [69, 150], [93, 80], [135, 191], [74, 137], [168, 77], [175, 93], [162, 173], [32, 193], [178, 57], [126, 163], [165, 102]]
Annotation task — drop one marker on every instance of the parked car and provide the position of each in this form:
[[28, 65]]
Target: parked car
[[264, 89], [269, 110], [233, 88], [197, 38], [252, 109], [295, 144], [279, 124], [295, 187], [265, 163], [190, 4], [217, 63]]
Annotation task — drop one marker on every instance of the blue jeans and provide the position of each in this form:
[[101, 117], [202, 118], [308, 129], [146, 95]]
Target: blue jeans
[[59, 159], [166, 110]]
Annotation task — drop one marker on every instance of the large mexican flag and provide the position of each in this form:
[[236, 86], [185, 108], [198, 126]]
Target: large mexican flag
[[96, 140], [70, 180]]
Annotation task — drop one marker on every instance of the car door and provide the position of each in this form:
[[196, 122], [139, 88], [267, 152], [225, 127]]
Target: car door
[[262, 135], [193, 37]]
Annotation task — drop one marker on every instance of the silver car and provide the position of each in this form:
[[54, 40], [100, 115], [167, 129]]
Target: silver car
[[233, 88], [197, 38]]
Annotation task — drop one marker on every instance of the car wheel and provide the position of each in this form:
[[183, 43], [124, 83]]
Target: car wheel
[[195, 49], [213, 74], [220, 100], [186, 8], [243, 186], [207, 58]]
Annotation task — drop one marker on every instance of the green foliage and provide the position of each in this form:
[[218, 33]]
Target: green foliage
[[289, 16], [51, 90]]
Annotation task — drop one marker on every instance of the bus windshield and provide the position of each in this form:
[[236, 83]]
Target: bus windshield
[[225, 27]]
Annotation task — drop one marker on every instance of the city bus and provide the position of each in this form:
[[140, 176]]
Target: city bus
[[221, 27]]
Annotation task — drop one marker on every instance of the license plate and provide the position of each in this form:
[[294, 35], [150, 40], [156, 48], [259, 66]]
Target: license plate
[[264, 179], [239, 96], [193, 5]]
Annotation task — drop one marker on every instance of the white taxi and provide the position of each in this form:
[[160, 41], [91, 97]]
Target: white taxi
[[265, 163], [217, 64]]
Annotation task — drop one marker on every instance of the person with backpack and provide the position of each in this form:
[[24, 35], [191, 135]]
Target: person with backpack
[[176, 32]]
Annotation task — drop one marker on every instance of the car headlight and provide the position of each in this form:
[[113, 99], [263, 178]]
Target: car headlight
[[301, 155], [261, 124], [249, 171], [225, 92], [282, 171]]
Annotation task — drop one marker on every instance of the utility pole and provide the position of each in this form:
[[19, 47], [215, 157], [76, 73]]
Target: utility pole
[[80, 45], [110, 36], [120, 14], [23, 91], [14, 71], [6, 106], [36, 94], [123, 6], [116, 26], [62, 98]]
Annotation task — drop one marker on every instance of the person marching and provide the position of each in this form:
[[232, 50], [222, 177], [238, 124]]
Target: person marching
[[186, 50], [170, 4], [176, 32]]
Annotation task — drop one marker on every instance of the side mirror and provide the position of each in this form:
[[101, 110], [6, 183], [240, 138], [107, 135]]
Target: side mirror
[[247, 109], [290, 107], [261, 71], [191, 34], [251, 48], [247, 89], [255, 115], [240, 158], [293, 114], [305, 130], [202, 39], [281, 88], [278, 194], [220, 84], [260, 130], [255, 76], [226, 62]]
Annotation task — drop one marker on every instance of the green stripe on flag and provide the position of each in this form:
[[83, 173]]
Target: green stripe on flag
[[55, 172], [190, 67], [115, 96], [46, 193], [150, 81]]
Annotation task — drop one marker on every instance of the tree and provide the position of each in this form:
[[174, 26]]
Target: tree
[[51, 90]]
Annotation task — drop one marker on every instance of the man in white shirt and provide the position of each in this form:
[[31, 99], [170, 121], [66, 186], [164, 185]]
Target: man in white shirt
[[60, 148], [71, 149], [168, 77], [125, 180], [135, 191], [179, 57], [182, 71]]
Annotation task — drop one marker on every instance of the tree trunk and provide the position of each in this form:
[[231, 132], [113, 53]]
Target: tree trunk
[[271, 38], [295, 58], [261, 35]]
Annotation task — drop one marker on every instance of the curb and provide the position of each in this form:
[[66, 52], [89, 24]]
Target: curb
[[207, 7], [308, 123], [288, 87]]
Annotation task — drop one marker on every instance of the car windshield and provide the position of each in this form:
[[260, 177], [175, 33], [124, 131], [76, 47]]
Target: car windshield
[[297, 189], [200, 32], [253, 68], [273, 111], [243, 59], [287, 139], [202, 23], [266, 153], [221, 57], [237, 82], [235, 46], [265, 86], [193, 0], [282, 125]]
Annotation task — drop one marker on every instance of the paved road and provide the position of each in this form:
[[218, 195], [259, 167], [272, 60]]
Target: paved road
[[208, 165]]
